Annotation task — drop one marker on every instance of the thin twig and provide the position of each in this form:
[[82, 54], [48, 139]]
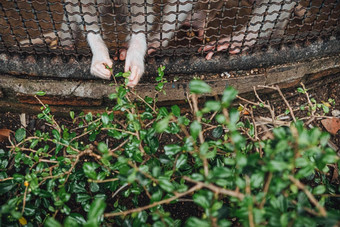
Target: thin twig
[[111, 151], [200, 135], [312, 212], [266, 105], [5, 179], [285, 100], [105, 180], [119, 189], [165, 201], [153, 109], [198, 118], [250, 206], [216, 189], [25, 195], [55, 124], [322, 210], [310, 104], [265, 189]]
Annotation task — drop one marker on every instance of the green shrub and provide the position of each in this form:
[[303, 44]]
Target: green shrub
[[125, 166]]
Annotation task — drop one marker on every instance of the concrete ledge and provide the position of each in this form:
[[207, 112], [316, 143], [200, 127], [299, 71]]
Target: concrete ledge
[[17, 92], [54, 66]]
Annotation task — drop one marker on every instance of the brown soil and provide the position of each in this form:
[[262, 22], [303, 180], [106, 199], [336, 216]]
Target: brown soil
[[320, 90]]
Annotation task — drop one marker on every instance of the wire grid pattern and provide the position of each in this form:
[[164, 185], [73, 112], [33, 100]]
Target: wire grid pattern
[[22, 23]]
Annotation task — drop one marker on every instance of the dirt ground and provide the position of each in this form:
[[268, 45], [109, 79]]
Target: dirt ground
[[321, 90]]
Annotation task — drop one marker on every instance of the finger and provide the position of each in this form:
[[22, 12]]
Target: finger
[[122, 55], [134, 76], [234, 49], [209, 55], [210, 46], [200, 34], [223, 47], [151, 50], [109, 63], [103, 72]]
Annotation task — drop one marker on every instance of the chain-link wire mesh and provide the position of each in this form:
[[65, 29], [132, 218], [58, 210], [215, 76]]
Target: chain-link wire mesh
[[48, 27]]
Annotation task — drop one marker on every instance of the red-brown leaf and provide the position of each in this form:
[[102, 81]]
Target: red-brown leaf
[[332, 125], [4, 134]]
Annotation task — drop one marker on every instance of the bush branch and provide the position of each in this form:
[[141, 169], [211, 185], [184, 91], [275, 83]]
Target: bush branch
[[165, 201], [322, 210]]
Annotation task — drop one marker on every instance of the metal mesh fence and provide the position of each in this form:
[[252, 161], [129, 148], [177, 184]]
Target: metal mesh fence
[[54, 27]]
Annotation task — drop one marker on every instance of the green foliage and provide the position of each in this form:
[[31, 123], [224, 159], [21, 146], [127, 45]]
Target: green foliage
[[312, 104], [105, 166]]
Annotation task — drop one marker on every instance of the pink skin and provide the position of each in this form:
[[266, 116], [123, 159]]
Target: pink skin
[[256, 29], [134, 55], [221, 45]]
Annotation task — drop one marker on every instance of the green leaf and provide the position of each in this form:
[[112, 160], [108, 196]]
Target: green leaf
[[300, 90], [224, 223], [105, 118], [72, 115], [40, 93], [195, 129], [51, 222], [329, 158], [81, 198], [63, 195], [166, 185], [102, 147], [325, 109], [257, 179], [96, 209], [204, 148], [234, 116], [172, 149], [221, 172], [18, 177], [29, 210], [20, 134], [70, 222], [212, 106], [157, 196], [196, 222], [277, 165], [113, 96], [162, 125], [163, 112], [88, 117], [199, 87], [229, 94], [6, 187], [181, 161], [203, 199], [90, 169], [318, 190], [217, 132], [142, 217], [176, 110]]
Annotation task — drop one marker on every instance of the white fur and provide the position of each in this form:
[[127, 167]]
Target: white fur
[[137, 44], [137, 40]]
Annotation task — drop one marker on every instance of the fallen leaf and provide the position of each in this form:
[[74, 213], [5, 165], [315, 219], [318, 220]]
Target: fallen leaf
[[4, 134], [332, 125], [23, 221], [326, 104]]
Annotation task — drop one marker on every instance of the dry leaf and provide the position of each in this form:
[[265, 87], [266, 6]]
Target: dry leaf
[[332, 125], [4, 134]]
